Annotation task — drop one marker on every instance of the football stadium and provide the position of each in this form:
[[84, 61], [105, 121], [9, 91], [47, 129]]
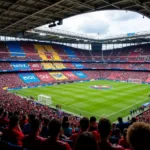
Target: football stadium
[[61, 89]]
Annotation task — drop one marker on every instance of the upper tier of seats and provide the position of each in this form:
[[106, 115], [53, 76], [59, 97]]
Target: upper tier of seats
[[50, 52], [36, 56]]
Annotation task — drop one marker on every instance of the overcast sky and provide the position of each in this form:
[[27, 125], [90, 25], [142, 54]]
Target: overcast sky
[[106, 23]]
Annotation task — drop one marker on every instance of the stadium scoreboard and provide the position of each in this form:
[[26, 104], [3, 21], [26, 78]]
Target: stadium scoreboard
[[96, 47]]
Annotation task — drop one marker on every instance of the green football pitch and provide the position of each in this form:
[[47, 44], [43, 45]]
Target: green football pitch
[[80, 98]]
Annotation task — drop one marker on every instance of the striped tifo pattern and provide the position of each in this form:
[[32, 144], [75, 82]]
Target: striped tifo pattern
[[48, 66], [79, 98], [59, 65], [51, 50], [41, 51]]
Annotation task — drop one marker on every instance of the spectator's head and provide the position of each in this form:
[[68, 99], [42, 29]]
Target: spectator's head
[[133, 119], [40, 116], [66, 125], [65, 119], [113, 125], [36, 126], [117, 132], [1, 111], [84, 123], [120, 120], [138, 136], [85, 141], [10, 114], [5, 114], [25, 117], [46, 122], [16, 113], [92, 120], [14, 121], [54, 128], [125, 133], [104, 127], [31, 117], [93, 124]]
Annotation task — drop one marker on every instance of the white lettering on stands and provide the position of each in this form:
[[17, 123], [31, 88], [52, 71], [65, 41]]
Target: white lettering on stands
[[20, 65], [35, 65], [29, 78], [43, 76], [80, 74]]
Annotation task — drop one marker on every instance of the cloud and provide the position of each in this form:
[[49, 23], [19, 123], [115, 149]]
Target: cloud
[[106, 23], [122, 15], [95, 27]]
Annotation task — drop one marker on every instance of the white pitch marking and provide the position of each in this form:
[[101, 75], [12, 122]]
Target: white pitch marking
[[126, 108]]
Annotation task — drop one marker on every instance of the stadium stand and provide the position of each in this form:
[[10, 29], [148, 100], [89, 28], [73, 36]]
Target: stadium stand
[[41, 51], [58, 76], [45, 77], [10, 80], [15, 49], [78, 65], [59, 65], [30, 51], [115, 76], [69, 65], [80, 74], [50, 50], [20, 66], [5, 66], [35, 66], [70, 76], [26, 124], [26, 66], [29, 73], [4, 52], [48, 66], [28, 78], [71, 54]]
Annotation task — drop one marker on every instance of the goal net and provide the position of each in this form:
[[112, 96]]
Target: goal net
[[138, 81], [44, 99]]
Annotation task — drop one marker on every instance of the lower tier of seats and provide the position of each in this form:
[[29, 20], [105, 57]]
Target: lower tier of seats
[[14, 80]]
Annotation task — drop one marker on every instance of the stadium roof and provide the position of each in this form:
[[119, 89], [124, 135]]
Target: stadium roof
[[61, 36], [17, 16]]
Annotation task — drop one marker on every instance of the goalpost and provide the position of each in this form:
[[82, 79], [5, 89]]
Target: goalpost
[[44, 99], [138, 81]]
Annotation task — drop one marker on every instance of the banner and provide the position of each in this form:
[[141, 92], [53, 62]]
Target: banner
[[44, 76], [80, 74], [20, 66], [28, 77], [70, 74], [78, 65], [35, 66], [58, 76]]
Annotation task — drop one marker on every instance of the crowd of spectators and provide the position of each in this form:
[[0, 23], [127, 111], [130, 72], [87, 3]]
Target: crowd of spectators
[[12, 80], [30, 125], [39, 66], [25, 124], [130, 54], [145, 116]]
